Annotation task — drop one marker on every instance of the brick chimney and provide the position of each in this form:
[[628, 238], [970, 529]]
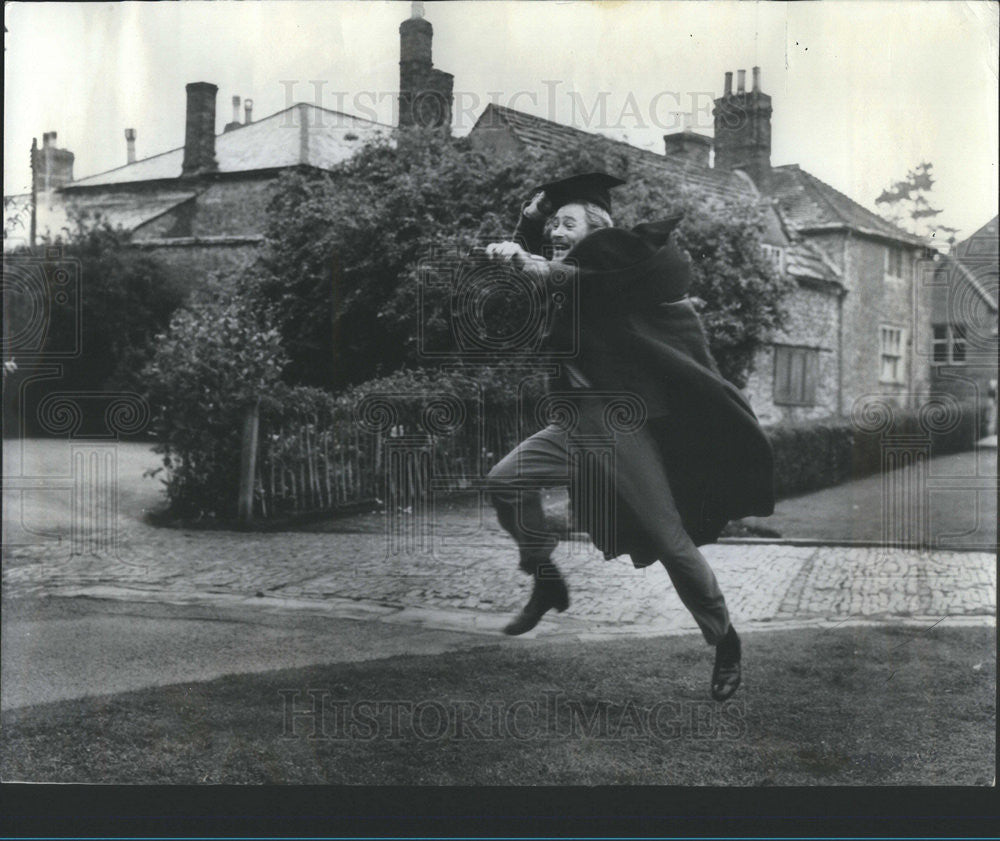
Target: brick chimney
[[199, 132], [53, 167], [130, 145], [425, 93], [743, 127], [688, 146]]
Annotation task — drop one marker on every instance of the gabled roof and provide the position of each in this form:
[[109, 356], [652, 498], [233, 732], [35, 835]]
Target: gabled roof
[[810, 205], [806, 262], [551, 136], [974, 262], [56, 211], [983, 245], [302, 134], [805, 203], [956, 271]]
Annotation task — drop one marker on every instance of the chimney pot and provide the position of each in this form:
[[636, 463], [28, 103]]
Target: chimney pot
[[741, 81], [248, 111], [130, 145], [53, 167], [729, 84], [425, 94], [236, 109], [743, 130]]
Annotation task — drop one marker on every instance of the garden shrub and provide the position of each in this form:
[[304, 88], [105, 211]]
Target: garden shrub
[[820, 454], [215, 361]]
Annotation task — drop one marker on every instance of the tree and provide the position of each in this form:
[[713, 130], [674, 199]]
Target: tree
[[126, 298], [342, 259], [907, 204]]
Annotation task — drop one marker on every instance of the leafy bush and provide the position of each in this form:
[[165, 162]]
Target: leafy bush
[[342, 250], [814, 455], [217, 359], [127, 298]]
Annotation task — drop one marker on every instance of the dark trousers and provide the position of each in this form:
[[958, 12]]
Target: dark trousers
[[543, 460]]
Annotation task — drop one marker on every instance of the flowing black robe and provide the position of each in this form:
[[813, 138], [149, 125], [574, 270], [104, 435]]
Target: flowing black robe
[[639, 333]]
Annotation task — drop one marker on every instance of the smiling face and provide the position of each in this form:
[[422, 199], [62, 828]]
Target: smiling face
[[565, 228]]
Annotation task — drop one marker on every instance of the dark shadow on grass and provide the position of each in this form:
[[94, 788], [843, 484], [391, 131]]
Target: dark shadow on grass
[[851, 706]]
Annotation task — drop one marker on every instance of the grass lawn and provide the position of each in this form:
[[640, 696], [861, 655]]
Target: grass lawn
[[854, 706]]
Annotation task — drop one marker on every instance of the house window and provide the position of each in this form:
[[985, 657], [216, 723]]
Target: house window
[[891, 350], [775, 255], [795, 375], [949, 344], [894, 261]]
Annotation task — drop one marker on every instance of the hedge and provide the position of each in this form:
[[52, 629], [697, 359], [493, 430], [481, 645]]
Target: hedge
[[820, 454], [319, 452]]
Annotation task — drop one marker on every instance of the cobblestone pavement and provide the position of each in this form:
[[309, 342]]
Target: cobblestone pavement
[[458, 569], [474, 570]]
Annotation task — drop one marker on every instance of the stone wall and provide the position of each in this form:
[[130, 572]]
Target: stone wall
[[223, 207], [874, 299], [953, 300], [812, 323], [192, 261]]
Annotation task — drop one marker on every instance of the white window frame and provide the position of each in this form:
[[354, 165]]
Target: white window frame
[[954, 339], [892, 351], [775, 255]]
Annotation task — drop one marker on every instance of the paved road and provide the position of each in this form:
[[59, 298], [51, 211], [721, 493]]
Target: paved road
[[454, 573], [58, 649]]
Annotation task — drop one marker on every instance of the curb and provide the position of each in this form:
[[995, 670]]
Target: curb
[[489, 624]]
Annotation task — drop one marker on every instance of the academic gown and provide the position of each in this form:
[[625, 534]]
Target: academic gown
[[639, 333]]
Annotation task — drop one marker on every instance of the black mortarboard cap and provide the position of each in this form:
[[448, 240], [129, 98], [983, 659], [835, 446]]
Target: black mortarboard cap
[[589, 187]]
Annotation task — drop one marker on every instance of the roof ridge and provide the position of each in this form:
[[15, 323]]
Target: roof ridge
[[331, 111], [813, 178], [972, 279], [225, 133], [125, 165], [678, 167], [979, 230]]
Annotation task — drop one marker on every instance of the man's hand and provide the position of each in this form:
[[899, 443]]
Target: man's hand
[[539, 207], [512, 253], [506, 252]]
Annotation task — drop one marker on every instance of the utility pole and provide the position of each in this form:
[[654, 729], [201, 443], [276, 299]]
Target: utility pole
[[34, 191]]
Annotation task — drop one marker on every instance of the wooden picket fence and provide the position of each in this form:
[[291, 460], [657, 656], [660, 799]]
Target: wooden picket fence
[[325, 458]]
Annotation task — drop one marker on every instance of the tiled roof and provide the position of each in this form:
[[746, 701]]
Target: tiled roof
[[548, 135], [984, 244], [954, 271], [804, 261], [808, 204], [302, 134], [974, 261]]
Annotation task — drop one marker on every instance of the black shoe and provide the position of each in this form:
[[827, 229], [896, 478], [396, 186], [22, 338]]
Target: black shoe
[[727, 674], [549, 592]]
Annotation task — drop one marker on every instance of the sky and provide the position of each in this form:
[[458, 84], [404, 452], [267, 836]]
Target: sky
[[862, 90]]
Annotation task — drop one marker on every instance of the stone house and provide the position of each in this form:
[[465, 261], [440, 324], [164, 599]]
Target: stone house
[[202, 207], [963, 287], [857, 323], [856, 316]]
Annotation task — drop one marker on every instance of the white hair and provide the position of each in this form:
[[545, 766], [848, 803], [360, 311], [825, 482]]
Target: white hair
[[596, 216]]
